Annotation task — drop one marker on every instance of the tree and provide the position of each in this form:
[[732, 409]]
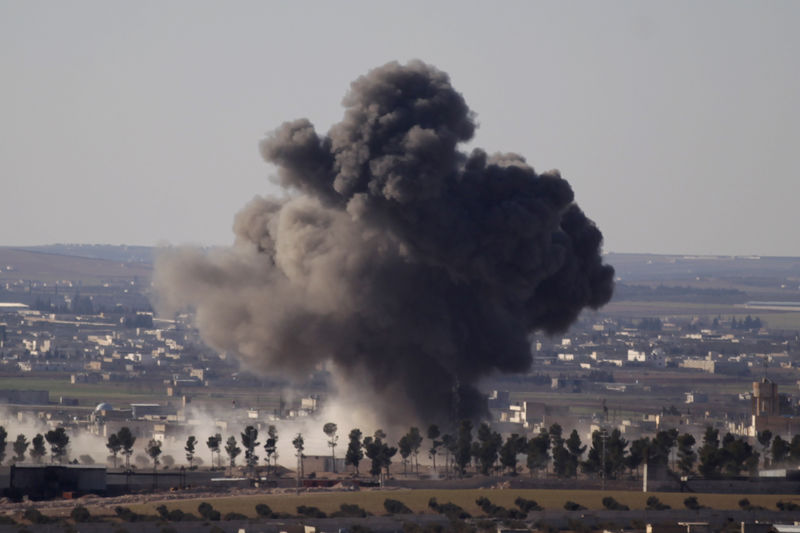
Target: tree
[[126, 440], [299, 446], [538, 456], [779, 450], [764, 438], [415, 441], [686, 454], [463, 446], [153, 450], [233, 452], [20, 447], [662, 446], [709, 454], [38, 451], [555, 432], [3, 443], [114, 446], [249, 442], [271, 445], [449, 443], [489, 443], [606, 458], [736, 454], [638, 452], [433, 434], [330, 430], [58, 441], [404, 447], [513, 446], [379, 452], [794, 449], [354, 452], [575, 450], [191, 444], [559, 451], [213, 442]]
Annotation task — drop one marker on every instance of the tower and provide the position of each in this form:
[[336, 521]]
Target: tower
[[765, 398]]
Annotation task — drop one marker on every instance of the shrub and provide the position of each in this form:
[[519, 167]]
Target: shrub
[[787, 506], [163, 512], [6, 520], [450, 510], [263, 510], [654, 504], [34, 516], [745, 505], [176, 515], [349, 510], [496, 511], [310, 511], [395, 507], [692, 503], [80, 513], [208, 512], [126, 514], [526, 506], [613, 505], [572, 506], [235, 516]]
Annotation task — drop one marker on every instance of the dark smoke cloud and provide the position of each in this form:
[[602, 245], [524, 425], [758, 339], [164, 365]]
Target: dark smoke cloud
[[416, 268]]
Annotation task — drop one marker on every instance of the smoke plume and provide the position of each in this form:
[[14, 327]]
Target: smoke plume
[[414, 267]]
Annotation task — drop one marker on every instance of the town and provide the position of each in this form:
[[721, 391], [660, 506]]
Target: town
[[617, 401]]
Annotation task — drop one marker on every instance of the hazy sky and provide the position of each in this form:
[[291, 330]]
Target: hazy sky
[[677, 123]]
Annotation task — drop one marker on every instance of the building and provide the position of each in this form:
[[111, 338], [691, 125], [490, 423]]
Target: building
[[48, 481], [765, 398], [767, 412]]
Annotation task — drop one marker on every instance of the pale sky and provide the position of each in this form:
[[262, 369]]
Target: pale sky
[[677, 123]]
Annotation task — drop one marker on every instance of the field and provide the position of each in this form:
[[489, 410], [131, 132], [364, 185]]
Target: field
[[417, 500], [786, 320], [88, 394]]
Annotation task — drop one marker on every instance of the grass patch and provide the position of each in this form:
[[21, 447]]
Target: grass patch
[[417, 500]]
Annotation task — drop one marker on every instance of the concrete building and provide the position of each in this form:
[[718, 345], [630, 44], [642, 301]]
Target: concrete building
[[767, 412], [765, 398]]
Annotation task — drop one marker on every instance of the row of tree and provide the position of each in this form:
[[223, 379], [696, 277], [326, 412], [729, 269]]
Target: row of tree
[[607, 455], [57, 439]]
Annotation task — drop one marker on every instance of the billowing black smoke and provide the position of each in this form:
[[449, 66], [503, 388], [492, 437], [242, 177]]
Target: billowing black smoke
[[415, 268]]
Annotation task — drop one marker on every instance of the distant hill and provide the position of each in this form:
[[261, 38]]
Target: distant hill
[[121, 253], [654, 267], [33, 264], [705, 278]]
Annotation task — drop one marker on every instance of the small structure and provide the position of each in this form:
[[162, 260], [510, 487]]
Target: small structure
[[50, 481]]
